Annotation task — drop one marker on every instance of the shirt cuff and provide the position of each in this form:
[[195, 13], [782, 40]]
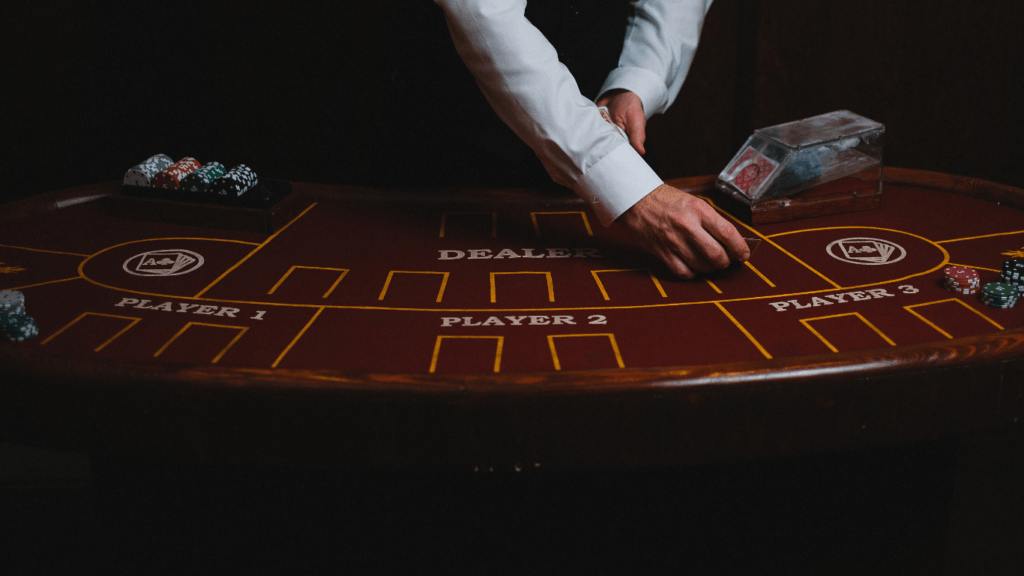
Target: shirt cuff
[[616, 182], [643, 83]]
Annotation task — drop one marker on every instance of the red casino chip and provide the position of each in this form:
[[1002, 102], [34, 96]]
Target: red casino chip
[[961, 280], [171, 176]]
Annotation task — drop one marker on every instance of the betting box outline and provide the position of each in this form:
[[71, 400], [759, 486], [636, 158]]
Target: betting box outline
[[319, 308], [834, 285]]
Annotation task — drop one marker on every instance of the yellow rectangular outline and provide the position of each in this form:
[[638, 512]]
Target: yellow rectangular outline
[[297, 336], [551, 286], [440, 293], [134, 320], [604, 293], [494, 221], [343, 271], [554, 353], [744, 330], [940, 330], [536, 226], [497, 353], [241, 330], [806, 323]]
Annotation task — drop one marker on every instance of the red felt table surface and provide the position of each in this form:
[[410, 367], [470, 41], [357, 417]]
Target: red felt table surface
[[459, 329]]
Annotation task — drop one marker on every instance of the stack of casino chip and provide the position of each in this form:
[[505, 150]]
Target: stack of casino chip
[[171, 176], [200, 180], [1013, 273], [143, 173], [999, 295], [236, 182], [961, 280], [15, 325]]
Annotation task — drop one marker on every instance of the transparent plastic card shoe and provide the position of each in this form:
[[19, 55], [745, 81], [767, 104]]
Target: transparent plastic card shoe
[[783, 160]]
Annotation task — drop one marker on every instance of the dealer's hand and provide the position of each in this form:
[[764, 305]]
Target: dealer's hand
[[684, 231], [627, 111]]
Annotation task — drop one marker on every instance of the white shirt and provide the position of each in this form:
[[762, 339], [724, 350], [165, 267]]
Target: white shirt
[[520, 75]]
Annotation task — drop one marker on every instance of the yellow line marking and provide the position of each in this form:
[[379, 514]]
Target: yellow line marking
[[975, 267], [979, 237], [241, 330], [744, 330], [936, 244], [604, 293], [712, 284], [494, 221], [958, 301], [297, 336], [536, 226], [773, 243], [41, 250], [254, 251], [134, 321], [549, 309], [411, 309], [343, 271], [551, 286], [43, 283], [807, 323], [440, 293], [554, 353], [758, 272], [497, 354]]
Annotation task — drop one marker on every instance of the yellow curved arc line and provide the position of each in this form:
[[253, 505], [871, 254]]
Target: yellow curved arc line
[[933, 243], [89, 258], [81, 272]]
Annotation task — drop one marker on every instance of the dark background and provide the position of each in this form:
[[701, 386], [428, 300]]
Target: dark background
[[299, 91]]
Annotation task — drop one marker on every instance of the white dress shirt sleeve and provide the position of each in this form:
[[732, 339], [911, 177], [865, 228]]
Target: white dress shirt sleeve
[[520, 75], [661, 39]]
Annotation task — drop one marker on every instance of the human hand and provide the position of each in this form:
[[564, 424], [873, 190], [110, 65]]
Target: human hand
[[627, 111], [684, 232]]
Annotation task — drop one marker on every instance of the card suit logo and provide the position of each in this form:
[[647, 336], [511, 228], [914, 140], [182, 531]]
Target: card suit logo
[[866, 251], [174, 262]]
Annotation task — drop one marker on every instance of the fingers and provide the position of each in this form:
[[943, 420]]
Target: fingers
[[723, 240], [686, 233], [676, 266], [637, 133], [627, 111], [630, 117]]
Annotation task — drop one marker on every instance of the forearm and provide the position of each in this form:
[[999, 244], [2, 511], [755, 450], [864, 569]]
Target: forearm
[[519, 73], [661, 40]]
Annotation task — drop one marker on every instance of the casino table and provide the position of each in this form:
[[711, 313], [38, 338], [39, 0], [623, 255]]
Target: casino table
[[503, 330]]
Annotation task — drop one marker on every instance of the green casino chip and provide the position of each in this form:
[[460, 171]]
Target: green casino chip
[[1000, 289], [18, 327]]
